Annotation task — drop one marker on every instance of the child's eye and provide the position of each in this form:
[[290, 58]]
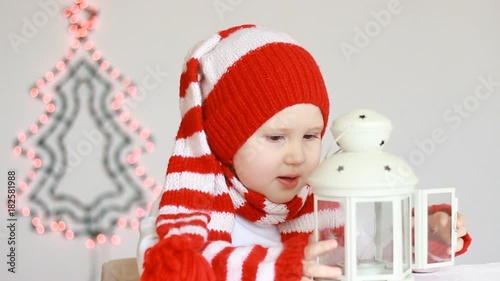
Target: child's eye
[[275, 138], [311, 136]]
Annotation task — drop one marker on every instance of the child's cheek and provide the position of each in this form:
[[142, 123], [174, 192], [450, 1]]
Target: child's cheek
[[248, 152]]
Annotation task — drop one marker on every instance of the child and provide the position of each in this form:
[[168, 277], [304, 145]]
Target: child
[[236, 205]]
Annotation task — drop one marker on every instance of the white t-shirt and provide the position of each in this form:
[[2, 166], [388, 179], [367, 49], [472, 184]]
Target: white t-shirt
[[246, 233]]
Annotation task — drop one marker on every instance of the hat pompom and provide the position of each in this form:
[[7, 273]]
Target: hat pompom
[[175, 259]]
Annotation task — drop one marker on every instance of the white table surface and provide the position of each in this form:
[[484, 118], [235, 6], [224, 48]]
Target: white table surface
[[475, 272]]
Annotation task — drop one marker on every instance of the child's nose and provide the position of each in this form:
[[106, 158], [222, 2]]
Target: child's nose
[[295, 154]]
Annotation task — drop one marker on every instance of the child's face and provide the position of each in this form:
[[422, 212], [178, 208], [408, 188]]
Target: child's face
[[279, 157]]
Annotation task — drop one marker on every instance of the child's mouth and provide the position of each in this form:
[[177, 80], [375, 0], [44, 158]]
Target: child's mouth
[[289, 182]]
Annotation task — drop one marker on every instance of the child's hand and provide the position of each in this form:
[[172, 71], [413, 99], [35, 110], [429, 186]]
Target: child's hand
[[310, 268], [440, 225]]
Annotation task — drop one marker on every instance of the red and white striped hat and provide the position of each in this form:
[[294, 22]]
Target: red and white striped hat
[[244, 75], [231, 84]]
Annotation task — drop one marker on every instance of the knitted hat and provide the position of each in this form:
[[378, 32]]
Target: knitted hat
[[246, 75], [231, 84]]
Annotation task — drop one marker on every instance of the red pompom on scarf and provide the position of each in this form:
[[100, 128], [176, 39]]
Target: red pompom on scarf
[[175, 259]]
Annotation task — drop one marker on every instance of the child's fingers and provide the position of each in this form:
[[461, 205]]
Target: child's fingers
[[461, 231], [460, 220], [316, 249], [312, 238], [460, 245], [312, 269]]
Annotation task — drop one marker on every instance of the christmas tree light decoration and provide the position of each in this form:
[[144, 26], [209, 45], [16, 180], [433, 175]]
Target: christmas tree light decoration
[[84, 77]]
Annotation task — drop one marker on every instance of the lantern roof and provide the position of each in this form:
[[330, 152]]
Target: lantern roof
[[361, 168]]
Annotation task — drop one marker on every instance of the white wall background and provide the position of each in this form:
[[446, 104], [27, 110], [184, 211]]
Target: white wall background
[[420, 68]]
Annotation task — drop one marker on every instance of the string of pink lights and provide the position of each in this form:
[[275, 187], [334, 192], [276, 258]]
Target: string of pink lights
[[79, 29]]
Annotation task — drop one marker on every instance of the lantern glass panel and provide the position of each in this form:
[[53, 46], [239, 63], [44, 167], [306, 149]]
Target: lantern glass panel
[[330, 225], [439, 239], [374, 238]]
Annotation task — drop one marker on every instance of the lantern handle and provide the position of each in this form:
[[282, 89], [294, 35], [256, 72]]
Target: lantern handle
[[336, 141]]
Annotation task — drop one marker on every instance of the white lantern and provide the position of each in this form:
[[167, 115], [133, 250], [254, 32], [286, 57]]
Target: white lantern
[[373, 193]]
